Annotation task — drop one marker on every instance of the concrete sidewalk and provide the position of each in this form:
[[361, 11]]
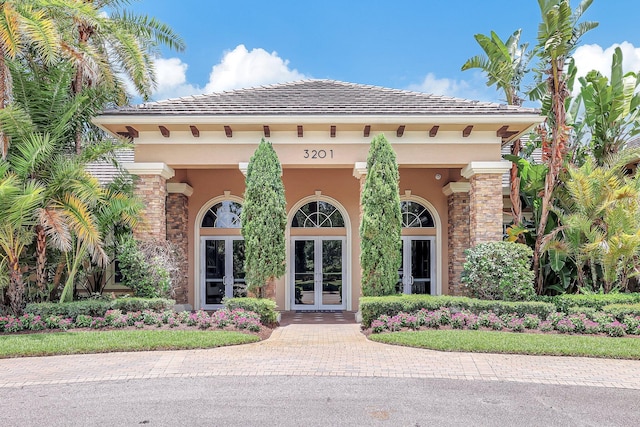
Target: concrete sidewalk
[[320, 350]]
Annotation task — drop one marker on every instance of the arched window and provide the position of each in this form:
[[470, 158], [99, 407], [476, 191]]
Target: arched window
[[225, 214], [318, 215], [414, 215]]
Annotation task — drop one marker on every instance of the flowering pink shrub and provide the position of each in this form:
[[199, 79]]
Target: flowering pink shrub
[[615, 329]]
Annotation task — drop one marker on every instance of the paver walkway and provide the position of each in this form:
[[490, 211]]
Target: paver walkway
[[319, 350]]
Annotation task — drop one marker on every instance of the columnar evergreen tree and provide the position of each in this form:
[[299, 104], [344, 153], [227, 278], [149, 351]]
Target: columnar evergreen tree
[[381, 227], [264, 221]]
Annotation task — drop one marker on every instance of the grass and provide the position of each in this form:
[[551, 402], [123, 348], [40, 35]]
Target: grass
[[49, 344], [516, 343]]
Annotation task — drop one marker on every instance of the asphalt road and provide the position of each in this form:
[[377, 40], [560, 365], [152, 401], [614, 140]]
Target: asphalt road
[[316, 401]]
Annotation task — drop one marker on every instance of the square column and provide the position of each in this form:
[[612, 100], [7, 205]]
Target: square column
[[151, 188], [457, 231], [485, 200]]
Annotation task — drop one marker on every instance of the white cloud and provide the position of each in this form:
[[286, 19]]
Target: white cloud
[[238, 68], [171, 77], [594, 57], [475, 88], [242, 68]]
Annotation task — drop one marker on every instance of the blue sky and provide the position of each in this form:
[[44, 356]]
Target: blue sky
[[404, 44]]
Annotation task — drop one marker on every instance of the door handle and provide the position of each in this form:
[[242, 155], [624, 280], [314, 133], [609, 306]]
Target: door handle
[[411, 280]]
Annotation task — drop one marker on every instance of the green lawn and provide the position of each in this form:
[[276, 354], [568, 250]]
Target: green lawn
[[518, 343], [109, 341]]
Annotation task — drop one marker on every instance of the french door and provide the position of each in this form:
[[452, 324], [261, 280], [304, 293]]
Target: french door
[[318, 273], [418, 271], [222, 271]]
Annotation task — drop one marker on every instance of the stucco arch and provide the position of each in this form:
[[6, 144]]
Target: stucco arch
[[347, 225], [438, 226]]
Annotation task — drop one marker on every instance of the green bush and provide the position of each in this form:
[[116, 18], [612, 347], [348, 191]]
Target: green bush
[[265, 308], [143, 270], [590, 312], [619, 311], [499, 271], [595, 301], [373, 307], [96, 308]]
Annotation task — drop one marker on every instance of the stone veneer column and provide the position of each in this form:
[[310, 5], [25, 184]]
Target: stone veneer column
[[152, 189], [457, 231], [485, 200], [177, 229]]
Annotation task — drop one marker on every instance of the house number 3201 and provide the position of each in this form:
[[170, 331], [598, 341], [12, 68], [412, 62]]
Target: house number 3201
[[318, 154]]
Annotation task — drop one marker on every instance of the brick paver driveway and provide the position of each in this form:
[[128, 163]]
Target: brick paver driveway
[[320, 350]]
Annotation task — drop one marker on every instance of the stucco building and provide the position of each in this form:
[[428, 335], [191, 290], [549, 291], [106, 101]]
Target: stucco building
[[191, 155]]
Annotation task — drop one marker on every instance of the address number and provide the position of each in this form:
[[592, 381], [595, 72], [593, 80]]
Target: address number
[[318, 154]]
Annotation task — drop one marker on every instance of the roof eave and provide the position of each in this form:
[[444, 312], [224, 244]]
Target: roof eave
[[506, 118]]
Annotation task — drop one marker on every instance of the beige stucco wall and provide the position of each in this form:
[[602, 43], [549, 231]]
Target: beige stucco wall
[[338, 184]]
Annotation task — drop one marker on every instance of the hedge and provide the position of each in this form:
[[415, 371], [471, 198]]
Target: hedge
[[619, 311], [97, 308], [595, 301], [264, 307], [373, 307]]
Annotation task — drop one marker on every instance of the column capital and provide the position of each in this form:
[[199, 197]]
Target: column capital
[[244, 167], [179, 188], [161, 169], [456, 187], [475, 168], [359, 169]]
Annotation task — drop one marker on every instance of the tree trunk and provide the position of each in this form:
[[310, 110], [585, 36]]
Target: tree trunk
[[4, 75], [16, 286], [514, 194], [41, 258], [558, 152]]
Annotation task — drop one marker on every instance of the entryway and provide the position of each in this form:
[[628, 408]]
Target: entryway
[[417, 274], [318, 273], [223, 270]]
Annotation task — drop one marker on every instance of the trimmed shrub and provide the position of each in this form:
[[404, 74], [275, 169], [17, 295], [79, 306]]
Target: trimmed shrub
[[265, 308], [96, 308], [619, 311], [564, 303], [381, 222], [499, 271], [373, 307]]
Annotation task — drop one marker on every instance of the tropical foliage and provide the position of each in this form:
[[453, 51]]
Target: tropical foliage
[[380, 242], [60, 64]]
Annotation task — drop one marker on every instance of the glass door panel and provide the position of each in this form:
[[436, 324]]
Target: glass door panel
[[421, 266], [304, 272], [239, 285], [332, 272], [215, 271]]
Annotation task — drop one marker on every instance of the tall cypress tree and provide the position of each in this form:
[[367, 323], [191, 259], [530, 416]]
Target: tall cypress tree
[[264, 221], [381, 227]]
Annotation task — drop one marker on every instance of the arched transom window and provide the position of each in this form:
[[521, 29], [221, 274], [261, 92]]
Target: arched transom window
[[414, 215], [225, 214], [318, 214]]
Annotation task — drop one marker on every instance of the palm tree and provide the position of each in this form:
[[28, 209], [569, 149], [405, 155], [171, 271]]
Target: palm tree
[[558, 36], [23, 27], [505, 64], [106, 48], [18, 204], [601, 222]]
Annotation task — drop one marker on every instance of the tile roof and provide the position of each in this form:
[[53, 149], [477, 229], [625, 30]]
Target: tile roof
[[319, 97], [104, 171]]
